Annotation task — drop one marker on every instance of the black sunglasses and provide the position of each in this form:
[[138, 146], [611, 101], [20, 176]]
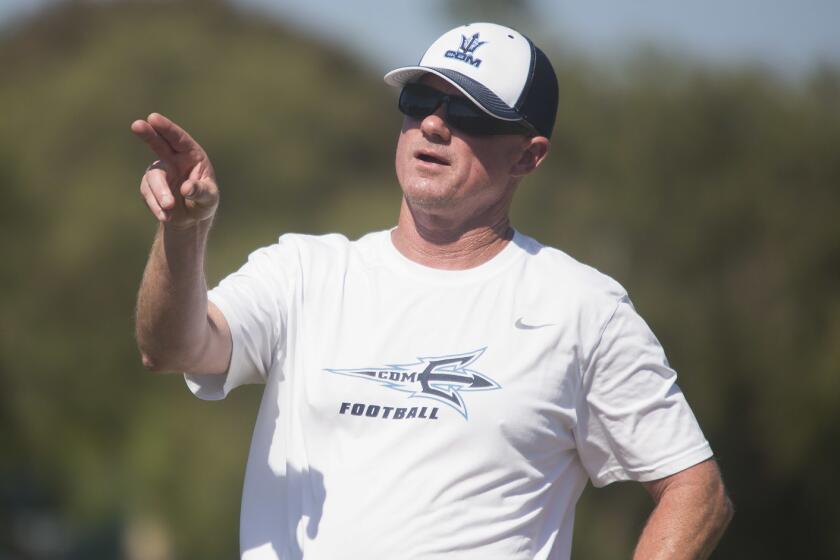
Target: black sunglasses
[[418, 101]]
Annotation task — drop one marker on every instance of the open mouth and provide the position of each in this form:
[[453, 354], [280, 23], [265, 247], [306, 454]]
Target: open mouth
[[429, 157]]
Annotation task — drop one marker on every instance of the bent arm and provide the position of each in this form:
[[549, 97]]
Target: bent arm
[[178, 329], [691, 514]]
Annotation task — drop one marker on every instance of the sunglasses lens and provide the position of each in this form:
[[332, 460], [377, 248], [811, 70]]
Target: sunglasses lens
[[464, 115], [419, 101]]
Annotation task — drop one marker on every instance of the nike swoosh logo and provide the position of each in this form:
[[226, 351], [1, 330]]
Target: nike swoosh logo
[[520, 325]]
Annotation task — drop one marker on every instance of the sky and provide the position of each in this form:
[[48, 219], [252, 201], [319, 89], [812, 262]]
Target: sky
[[790, 36]]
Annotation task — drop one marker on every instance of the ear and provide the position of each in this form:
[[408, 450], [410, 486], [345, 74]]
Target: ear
[[533, 154]]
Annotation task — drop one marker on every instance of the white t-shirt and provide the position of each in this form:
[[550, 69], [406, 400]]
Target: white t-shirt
[[417, 413]]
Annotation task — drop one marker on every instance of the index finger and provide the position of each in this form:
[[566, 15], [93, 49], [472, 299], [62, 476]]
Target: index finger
[[174, 135], [149, 135]]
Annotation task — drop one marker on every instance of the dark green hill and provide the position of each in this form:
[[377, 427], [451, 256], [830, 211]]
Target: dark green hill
[[295, 130], [711, 194]]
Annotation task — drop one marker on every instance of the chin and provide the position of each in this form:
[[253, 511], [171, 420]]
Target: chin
[[428, 202], [427, 194]]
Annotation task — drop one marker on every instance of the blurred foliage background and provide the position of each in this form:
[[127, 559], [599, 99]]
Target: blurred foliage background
[[711, 193]]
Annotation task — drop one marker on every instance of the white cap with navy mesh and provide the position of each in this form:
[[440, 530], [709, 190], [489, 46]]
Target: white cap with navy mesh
[[497, 68]]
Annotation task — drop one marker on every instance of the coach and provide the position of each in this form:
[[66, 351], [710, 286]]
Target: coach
[[443, 389]]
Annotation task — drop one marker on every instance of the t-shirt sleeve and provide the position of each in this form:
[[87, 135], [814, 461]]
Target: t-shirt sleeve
[[633, 420], [254, 301]]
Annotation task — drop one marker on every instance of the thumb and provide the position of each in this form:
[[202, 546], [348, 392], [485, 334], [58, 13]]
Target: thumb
[[200, 192]]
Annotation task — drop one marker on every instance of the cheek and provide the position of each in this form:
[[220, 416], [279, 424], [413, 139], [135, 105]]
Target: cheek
[[477, 173], [401, 155], [488, 166], [505, 162]]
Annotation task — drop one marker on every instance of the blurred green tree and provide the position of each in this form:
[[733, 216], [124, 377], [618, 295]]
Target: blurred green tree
[[711, 194]]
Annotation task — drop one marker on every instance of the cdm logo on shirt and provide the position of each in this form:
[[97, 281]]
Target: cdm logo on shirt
[[441, 378]]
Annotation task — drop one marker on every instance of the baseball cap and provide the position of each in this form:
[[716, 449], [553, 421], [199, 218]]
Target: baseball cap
[[497, 68]]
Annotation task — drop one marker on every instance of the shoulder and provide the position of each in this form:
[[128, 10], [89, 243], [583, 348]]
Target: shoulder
[[324, 252], [555, 287], [313, 242], [558, 272], [330, 243]]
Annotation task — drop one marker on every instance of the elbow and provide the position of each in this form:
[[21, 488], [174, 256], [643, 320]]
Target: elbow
[[148, 356], [164, 363], [163, 360], [157, 357], [727, 512], [721, 510], [150, 353], [155, 363], [150, 363]]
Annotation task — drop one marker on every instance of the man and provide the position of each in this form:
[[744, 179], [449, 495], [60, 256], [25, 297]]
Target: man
[[443, 389]]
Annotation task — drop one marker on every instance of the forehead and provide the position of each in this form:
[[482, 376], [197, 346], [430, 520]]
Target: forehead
[[439, 84]]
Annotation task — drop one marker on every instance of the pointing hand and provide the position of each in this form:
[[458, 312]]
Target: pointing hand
[[180, 187]]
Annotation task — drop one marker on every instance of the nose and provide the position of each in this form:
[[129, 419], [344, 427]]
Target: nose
[[434, 126]]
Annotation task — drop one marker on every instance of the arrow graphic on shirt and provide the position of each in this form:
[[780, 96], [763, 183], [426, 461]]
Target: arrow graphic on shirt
[[441, 378]]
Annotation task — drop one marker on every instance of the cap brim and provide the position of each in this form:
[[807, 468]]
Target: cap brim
[[476, 92]]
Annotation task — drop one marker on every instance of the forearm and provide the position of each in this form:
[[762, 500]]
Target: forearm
[[689, 519], [172, 319]]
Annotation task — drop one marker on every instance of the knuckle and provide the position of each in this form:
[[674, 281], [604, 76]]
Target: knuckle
[[155, 173], [159, 185]]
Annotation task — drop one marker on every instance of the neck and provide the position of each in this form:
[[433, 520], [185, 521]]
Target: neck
[[439, 242]]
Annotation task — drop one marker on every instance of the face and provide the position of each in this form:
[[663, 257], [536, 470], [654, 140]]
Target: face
[[445, 171]]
